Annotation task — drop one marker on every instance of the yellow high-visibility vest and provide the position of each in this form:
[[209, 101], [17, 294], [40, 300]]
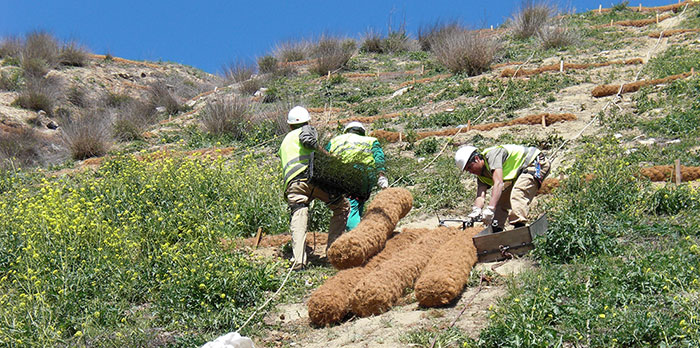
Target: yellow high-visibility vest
[[518, 158], [295, 156], [353, 148]]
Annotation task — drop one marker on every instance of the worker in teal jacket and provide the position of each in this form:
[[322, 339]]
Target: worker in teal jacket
[[353, 146]]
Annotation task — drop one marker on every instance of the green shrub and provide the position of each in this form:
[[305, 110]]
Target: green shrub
[[427, 146], [10, 79], [675, 60], [466, 52], [267, 64], [397, 41], [671, 200]]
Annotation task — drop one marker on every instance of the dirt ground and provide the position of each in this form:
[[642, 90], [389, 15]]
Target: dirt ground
[[469, 313]]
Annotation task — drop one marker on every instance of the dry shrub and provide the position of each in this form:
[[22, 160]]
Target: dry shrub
[[77, 96], [330, 303], [34, 68], [159, 96], [354, 248], [227, 116], [87, 135], [429, 35], [274, 114], [397, 41], [72, 54], [557, 36], [20, 146], [238, 71], [531, 18], [40, 94], [466, 51], [11, 48], [448, 271], [131, 119], [292, 51], [40, 46], [331, 54], [381, 288], [249, 87], [372, 42]]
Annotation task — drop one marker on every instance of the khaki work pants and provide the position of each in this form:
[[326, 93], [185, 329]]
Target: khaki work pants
[[518, 196], [301, 193]]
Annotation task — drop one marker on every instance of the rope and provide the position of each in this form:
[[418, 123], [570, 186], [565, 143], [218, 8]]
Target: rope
[[291, 268], [469, 302]]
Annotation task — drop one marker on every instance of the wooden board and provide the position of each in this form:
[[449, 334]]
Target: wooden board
[[517, 241]]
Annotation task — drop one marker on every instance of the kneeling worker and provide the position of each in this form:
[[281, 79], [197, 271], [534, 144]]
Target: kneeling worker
[[514, 173], [353, 146], [295, 153]]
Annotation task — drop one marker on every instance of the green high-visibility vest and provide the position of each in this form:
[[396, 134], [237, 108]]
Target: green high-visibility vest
[[353, 148], [519, 157], [295, 156]]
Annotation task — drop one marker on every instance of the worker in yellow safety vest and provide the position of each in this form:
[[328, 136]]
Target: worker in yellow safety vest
[[513, 172], [353, 146], [295, 153]]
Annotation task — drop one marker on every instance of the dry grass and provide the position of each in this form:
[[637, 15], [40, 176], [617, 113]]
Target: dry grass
[[227, 116], [531, 18], [331, 54], [41, 45], [467, 52], [292, 51], [267, 64], [87, 135], [131, 119], [238, 71], [557, 36], [429, 35], [40, 93], [372, 42], [72, 54], [10, 47], [20, 147], [159, 96]]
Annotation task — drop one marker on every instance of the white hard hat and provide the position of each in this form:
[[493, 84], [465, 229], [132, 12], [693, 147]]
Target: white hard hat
[[355, 124], [463, 155], [298, 115]]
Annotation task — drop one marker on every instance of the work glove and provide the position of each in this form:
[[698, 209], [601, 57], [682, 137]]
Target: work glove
[[382, 182], [487, 215], [474, 215]]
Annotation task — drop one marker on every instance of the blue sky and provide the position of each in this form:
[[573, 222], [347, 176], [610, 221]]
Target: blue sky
[[208, 34]]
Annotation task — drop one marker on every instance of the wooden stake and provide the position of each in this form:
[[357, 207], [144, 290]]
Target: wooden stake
[[399, 136], [692, 72], [657, 18], [678, 172], [414, 80], [422, 69], [611, 22], [544, 120], [258, 237], [491, 26], [640, 7], [561, 66], [469, 125], [329, 75], [600, 8]]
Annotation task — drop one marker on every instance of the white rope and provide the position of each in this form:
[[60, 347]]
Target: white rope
[[291, 268]]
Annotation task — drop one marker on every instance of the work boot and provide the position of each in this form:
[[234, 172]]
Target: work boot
[[300, 219]]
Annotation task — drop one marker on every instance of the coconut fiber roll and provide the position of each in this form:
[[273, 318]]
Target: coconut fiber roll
[[331, 301], [448, 271], [384, 285], [356, 247]]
